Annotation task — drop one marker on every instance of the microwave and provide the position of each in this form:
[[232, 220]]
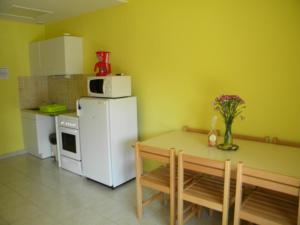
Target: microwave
[[109, 86]]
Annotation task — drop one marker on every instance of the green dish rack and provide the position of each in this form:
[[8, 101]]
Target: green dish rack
[[53, 109]]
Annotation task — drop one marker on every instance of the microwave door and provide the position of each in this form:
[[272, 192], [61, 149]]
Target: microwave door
[[97, 86]]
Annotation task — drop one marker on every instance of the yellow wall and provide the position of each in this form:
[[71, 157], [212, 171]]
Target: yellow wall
[[14, 40], [182, 55]]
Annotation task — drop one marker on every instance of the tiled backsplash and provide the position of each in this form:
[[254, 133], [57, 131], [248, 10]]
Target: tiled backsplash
[[37, 90], [66, 90], [33, 91]]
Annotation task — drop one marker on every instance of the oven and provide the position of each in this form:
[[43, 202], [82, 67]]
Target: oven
[[70, 143], [69, 146]]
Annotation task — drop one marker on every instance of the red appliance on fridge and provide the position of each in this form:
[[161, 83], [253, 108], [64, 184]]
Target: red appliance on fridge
[[103, 66]]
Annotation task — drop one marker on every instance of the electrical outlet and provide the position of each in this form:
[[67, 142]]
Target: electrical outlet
[[3, 72]]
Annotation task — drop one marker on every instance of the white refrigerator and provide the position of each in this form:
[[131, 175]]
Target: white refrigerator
[[108, 130]]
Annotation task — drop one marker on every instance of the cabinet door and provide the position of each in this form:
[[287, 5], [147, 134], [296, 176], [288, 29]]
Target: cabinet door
[[53, 56], [57, 56], [30, 136], [73, 55], [35, 59], [45, 126]]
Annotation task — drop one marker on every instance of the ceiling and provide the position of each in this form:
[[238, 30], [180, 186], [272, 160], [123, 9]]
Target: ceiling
[[46, 11]]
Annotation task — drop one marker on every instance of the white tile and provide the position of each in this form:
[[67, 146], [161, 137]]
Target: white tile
[[10, 199], [42, 219], [22, 211], [85, 217], [37, 192]]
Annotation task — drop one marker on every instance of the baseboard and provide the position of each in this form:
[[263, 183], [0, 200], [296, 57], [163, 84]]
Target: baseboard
[[13, 154]]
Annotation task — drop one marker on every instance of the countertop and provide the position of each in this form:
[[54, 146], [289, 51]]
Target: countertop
[[37, 111]]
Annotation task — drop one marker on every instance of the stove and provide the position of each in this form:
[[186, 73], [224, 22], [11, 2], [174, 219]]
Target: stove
[[69, 146]]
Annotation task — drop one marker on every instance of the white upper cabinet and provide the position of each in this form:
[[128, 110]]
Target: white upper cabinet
[[57, 56], [35, 59]]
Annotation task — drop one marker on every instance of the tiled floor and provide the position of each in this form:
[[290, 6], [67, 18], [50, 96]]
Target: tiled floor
[[37, 192]]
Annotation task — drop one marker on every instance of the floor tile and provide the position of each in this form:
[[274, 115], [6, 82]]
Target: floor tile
[[42, 219], [37, 192]]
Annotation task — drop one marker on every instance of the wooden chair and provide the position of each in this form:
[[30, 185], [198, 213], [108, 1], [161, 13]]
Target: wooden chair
[[275, 201], [198, 130], [265, 139], [211, 190], [161, 179], [277, 141]]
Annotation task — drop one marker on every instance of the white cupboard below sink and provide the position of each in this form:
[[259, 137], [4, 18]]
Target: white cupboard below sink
[[36, 130]]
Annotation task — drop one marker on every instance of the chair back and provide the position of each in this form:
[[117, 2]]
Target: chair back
[[265, 139], [198, 130], [269, 180], [161, 179], [153, 153], [203, 165], [215, 170], [278, 141]]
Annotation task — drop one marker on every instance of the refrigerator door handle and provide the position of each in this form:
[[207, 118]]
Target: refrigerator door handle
[[78, 107]]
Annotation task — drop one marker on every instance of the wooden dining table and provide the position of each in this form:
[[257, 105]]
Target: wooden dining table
[[265, 156]]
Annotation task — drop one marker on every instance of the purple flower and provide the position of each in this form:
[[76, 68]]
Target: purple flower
[[230, 106]]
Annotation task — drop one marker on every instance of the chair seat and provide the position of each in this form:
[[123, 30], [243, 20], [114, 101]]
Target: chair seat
[[208, 192], [269, 207], [160, 177]]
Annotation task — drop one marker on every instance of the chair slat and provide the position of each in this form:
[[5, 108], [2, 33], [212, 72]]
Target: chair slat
[[204, 162], [265, 139], [200, 201], [259, 220], [155, 157], [271, 185], [198, 130], [271, 176], [157, 151], [277, 141], [203, 169]]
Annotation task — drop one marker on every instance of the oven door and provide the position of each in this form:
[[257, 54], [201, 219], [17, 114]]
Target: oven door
[[69, 143]]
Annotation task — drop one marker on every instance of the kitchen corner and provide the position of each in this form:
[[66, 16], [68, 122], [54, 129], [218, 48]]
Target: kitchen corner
[[35, 91], [96, 140], [48, 100]]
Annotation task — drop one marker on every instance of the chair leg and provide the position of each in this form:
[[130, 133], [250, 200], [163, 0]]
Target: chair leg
[[180, 211], [139, 198], [225, 217], [172, 209], [199, 213], [180, 190]]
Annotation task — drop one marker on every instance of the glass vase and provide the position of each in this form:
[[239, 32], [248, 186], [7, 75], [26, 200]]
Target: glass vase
[[228, 139], [228, 135]]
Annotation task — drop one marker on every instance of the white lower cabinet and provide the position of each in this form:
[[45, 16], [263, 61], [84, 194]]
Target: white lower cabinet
[[36, 131]]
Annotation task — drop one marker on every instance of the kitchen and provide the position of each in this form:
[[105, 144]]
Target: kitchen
[[89, 136], [178, 65]]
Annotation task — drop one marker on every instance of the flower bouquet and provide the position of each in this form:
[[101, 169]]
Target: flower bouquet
[[229, 106]]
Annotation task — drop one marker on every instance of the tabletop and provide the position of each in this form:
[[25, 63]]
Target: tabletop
[[274, 158]]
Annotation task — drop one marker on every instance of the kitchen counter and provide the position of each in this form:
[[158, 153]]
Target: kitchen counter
[[37, 111]]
